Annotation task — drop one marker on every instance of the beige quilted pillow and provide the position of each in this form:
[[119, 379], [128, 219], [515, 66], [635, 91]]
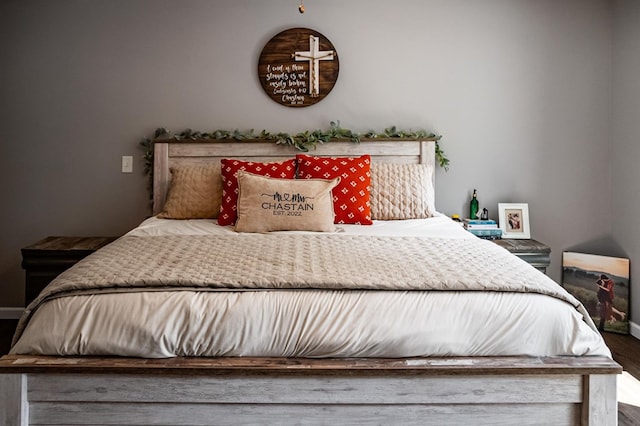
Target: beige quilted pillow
[[267, 204], [195, 193], [401, 191]]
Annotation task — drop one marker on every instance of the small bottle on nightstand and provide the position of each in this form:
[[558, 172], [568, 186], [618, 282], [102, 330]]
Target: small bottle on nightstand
[[473, 206]]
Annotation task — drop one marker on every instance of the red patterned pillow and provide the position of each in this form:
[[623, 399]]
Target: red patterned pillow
[[351, 196], [230, 167]]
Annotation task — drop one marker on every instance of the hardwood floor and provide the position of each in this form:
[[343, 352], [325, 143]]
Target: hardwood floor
[[626, 351]]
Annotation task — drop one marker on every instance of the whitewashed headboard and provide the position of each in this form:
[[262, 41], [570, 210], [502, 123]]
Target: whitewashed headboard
[[172, 152]]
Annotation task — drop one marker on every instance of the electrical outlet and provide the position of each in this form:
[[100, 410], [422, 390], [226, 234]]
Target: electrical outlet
[[127, 164]]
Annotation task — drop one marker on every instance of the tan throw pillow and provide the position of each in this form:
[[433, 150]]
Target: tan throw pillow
[[195, 192], [401, 191], [268, 204]]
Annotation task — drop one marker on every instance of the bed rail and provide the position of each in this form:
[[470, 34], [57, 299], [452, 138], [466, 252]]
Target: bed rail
[[425, 391]]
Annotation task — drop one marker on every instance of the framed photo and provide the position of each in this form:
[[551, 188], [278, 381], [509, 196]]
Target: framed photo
[[601, 284], [514, 220]]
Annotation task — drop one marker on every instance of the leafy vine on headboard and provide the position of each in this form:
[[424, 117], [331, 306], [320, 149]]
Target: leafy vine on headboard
[[303, 141]]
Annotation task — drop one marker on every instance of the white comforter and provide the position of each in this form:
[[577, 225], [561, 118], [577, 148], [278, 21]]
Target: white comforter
[[321, 323]]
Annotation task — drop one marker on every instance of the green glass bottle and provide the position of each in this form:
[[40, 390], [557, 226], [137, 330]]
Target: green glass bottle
[[473, 206]]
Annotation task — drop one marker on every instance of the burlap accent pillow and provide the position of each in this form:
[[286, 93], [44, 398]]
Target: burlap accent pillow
[[268, 204], [195, 192], [401, 191]]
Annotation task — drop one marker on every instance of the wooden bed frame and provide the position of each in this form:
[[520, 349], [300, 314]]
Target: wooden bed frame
[[38, 390]]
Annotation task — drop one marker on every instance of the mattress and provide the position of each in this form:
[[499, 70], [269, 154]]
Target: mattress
[[409, 288]]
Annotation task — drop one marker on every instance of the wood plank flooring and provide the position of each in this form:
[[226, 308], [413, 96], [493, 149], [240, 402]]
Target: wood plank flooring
[[626, 351]]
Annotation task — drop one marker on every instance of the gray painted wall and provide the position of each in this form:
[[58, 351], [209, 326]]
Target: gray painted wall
[[520, 90], [626, 140]]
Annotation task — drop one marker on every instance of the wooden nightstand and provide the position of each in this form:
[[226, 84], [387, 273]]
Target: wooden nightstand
[[46, 259], [532, 251]]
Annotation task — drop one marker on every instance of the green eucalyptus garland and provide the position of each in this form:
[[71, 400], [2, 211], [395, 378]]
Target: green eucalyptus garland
[[303, 141]]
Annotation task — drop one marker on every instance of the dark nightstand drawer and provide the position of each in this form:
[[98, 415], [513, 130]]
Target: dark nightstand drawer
[[533, 252], [46, 259]]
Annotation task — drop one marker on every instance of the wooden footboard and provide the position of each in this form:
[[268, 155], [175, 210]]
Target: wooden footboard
[[37, 390]]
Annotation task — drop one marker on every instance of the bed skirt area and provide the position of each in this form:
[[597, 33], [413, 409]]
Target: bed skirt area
[[38, 390]]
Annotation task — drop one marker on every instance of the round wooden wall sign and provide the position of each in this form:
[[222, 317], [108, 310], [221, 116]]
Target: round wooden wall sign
[[298, 67]]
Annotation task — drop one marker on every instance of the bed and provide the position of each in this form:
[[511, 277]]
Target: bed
[[407, 319]]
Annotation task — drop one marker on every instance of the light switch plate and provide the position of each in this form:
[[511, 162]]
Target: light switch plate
[[127, 164]]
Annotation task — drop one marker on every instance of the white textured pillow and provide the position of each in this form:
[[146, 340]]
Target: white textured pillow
[[268, 204], [401, 191]]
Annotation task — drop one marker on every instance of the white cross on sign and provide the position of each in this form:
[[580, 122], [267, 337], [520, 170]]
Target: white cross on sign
[[314, 55]]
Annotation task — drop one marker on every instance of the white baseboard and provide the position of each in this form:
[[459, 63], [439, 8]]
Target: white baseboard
[[634, 329], [11, 313]]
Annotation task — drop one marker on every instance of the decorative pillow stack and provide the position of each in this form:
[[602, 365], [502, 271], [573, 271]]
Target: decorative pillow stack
[[268, 204], [230, 167], [351, 196], [365, 191]]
